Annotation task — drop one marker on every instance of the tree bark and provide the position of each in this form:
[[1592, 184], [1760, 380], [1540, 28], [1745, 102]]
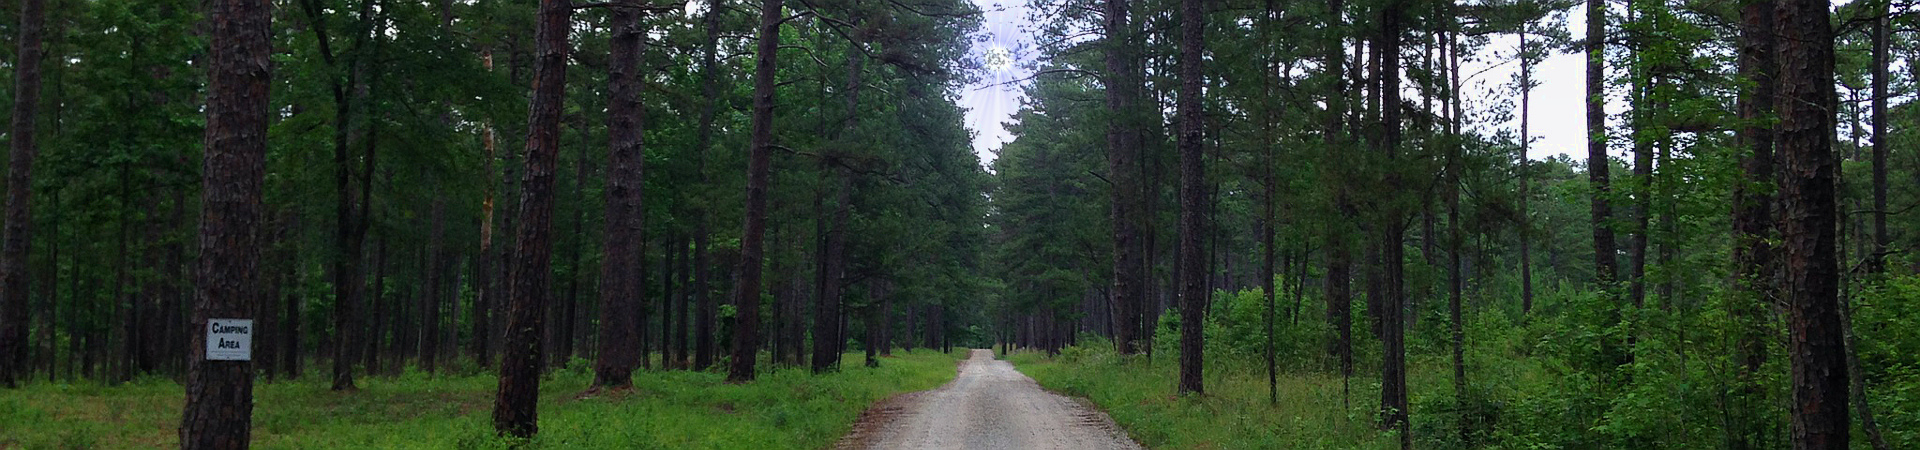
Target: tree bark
[[827, 339], [1809, 212], [746, 302], [1123, 153], [514, 410], [1456, 324], [681, 343], [1268, 199], [1751, 304], [1338, 279], [621, 269], [483, 280], [1192, 197], [18, 233], [219, 394], [1876, 262], [1526, 175], [1393, 384], [704, 308], [669, 354], [1640, 124], [1597, 163]]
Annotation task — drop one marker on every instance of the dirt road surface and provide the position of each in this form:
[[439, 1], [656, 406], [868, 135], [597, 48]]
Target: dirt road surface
[[988, 406]]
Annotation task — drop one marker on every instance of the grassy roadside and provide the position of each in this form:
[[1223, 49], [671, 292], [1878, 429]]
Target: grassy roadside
[[1234, 414], [787, 408]]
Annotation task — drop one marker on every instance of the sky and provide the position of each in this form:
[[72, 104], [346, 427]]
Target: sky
[[1558, 122], [996, 96]]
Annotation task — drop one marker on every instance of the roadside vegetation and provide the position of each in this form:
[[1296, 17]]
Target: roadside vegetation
[[1529, 385], [785, 408]]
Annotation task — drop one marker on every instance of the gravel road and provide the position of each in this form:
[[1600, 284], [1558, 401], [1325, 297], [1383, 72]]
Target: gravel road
[[989, 405]]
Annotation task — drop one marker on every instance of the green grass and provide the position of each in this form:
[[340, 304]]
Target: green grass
[[1311, 413], [786, 408]]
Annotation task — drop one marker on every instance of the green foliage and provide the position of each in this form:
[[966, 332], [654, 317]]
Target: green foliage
[[1139, 397], [787, 408]]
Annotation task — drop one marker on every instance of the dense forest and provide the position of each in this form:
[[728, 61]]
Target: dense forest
[[1244, 189]]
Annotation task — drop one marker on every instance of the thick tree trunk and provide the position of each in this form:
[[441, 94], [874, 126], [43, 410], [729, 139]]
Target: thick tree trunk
[[1123, 152], [17, 237], [622, 266], [1393, 372], [1809, 212], [514, 410], [746, 302], [1192, 195], [219, 394]]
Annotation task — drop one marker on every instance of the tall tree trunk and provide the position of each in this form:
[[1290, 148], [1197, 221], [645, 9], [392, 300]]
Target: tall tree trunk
[[1123, 152], [746, 302], [1809, 212], [1456, 324], [1393, 374], [128, 318], [1268, 199], [378, 298], [781, 278], [18, 233], [514, 410], [349, 285], [1597, 163], [50, 319], [484, 282], [669, 249], [1526, 175], [827, 339], [290, 335], [219, 394], [1339, 259], [430, 303], [1640, 124], [1753, 226], [681, 342], [621, 269], [1192, 195], [871, 343], [1876, 262]]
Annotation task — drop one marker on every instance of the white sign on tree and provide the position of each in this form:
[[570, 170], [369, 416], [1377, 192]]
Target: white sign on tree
[[229, 339]]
